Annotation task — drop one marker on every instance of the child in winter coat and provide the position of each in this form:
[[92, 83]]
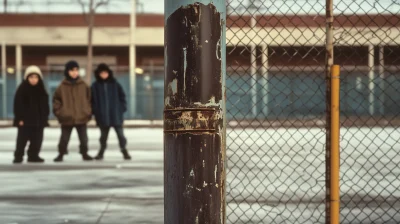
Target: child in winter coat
[[31, 112], [71, 105], [108, 105]]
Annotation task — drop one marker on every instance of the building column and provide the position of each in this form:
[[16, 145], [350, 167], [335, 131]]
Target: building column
[[132, 62], [4, 79], [371, 83], [382, 80], [265, 82], [253, 70], [18, 60]]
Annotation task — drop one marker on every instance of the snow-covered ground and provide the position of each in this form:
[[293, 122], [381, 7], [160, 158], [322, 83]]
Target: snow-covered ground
[[274, 176], [112, 191], [278, 175]]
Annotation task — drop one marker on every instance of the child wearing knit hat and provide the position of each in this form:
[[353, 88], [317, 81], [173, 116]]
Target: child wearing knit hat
[[31, 112], [72, 107]]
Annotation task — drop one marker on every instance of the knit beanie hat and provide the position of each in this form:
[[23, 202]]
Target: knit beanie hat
[[69, 66], [33, 69]]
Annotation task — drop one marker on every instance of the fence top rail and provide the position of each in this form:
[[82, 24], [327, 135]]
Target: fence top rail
[[313, 68]]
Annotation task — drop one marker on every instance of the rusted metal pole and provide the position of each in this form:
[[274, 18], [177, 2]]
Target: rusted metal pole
[[194, 116], [328, 65]]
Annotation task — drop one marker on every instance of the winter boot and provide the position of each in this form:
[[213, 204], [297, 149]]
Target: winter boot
[[126, 155], [100, 155], [86, 157], [35, 159], [59, 158], [17, 160]]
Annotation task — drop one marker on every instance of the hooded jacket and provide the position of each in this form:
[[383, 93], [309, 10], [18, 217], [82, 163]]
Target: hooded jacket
[[31, 103], [71, 101], [108, 99]]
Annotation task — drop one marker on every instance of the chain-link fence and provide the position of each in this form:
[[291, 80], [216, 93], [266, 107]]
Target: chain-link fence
[[276, 87], [368, 47]]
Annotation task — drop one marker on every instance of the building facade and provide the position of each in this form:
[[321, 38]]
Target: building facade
[[281, 61]]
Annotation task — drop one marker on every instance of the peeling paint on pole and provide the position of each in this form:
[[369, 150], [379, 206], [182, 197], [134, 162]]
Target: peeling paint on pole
[[194, 116], [328, 65]]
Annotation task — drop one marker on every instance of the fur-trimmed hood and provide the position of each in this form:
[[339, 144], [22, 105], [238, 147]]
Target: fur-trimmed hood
[[103, 67]]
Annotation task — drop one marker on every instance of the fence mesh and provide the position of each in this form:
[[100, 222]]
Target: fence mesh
[[277, 110], [367, 47]]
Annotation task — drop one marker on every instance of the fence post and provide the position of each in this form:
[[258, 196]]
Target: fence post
[[335, 148], [194, 112], [328, 64]]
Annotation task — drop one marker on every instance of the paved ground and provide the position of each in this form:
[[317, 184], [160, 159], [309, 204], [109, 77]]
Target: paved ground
[[111, 192], [274, 176]]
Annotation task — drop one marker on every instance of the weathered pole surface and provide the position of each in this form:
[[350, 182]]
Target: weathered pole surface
[[328, 66], [194, 116]]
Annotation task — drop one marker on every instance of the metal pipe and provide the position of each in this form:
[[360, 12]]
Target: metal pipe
[[328, 65], [4, 77], [132, 61], [335, 150], [194, 115], [371, 83]]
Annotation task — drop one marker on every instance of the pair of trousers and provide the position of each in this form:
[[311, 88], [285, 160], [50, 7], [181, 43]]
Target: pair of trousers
[[34, 135], [66, 134], [120, 134]]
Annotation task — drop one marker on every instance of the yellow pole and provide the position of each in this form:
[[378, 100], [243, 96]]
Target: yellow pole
[[335, 158]]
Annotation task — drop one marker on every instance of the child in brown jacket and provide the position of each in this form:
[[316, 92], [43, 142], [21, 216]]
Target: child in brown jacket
[[72, 107]]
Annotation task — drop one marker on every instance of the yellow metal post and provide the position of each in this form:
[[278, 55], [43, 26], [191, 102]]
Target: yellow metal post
[[335, 149]]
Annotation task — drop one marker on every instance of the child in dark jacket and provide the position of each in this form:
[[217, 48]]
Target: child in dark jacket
[[31, 112], [108, 106]]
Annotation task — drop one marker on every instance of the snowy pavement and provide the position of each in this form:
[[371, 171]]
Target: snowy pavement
[[274, 176], [278, 175], [113, 191]]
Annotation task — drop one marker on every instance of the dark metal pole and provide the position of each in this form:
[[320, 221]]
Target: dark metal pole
[[328, 66], [194, 116]]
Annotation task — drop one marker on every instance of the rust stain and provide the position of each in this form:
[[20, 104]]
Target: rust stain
[[192, 119]]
